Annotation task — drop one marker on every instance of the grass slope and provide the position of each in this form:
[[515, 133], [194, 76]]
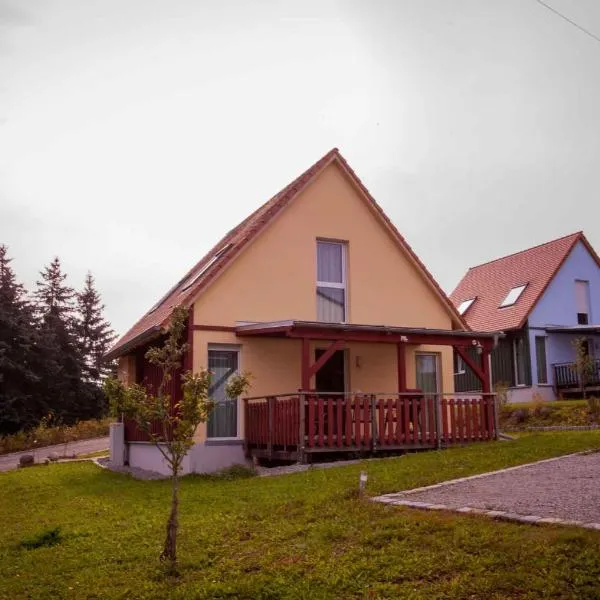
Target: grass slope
[[295, 536]]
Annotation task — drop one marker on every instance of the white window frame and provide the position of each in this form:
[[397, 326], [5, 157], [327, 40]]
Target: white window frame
[[228, 348], [518, 292], [328, 284]]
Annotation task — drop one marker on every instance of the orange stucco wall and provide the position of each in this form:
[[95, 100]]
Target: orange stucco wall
[[275, 279]]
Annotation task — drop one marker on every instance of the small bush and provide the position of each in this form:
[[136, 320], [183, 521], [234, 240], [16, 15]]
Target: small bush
[[49, 433], [46, 538], [594, 407], [501, 391], [521, 415], [552, 413]]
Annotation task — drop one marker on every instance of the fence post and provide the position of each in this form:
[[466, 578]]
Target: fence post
[[373, 423], [302, 419], [270, 407], [438, 420]]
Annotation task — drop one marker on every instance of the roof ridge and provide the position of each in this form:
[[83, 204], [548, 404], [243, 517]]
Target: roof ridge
[[564, 237]]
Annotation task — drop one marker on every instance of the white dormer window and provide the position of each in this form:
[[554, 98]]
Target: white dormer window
[[513, 296], [465, 305]]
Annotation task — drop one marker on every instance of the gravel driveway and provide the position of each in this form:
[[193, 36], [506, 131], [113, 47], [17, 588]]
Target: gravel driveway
[[567, 488]]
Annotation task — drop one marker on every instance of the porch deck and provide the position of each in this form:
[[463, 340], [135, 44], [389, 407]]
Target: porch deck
[[297, 425], [566, 380]]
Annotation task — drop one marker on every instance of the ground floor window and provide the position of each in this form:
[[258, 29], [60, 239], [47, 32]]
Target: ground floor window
[[540, 357], [428, 373], [223, 419]]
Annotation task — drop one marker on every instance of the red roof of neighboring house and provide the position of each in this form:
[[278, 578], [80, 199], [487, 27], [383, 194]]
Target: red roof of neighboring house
[[490, 283], [235, 241]]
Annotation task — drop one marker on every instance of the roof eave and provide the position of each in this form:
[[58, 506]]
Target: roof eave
[[134, 343]]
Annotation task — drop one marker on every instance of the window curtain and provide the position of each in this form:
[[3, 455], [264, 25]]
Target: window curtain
[[329, 262]]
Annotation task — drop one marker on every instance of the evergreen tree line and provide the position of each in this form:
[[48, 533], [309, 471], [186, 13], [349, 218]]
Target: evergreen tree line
[[52, 346]]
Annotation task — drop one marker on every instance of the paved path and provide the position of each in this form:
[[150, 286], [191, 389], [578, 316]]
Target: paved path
[[11, 461], [566, 488]]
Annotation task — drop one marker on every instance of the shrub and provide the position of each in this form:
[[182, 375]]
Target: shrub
[[594, 407], [521, 415], [501, 390], [48, 433], [48, 538]]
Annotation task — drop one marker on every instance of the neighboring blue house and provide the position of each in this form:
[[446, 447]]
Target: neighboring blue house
[[543, 299]]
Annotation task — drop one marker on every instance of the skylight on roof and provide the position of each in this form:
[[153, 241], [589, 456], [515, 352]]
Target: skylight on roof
[[513, 296], [465, 305], [190, 282]]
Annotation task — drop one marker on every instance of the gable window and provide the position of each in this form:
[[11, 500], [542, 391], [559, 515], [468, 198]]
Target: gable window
[[582, 301], [465, 305], [513, 296], [331, 282], [540, 357]]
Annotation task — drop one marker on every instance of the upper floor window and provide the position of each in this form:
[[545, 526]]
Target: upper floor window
[[582, 301], [331, 282], [513, 296]]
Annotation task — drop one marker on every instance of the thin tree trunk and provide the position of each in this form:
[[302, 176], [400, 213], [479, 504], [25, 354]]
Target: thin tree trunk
[[169, 552]]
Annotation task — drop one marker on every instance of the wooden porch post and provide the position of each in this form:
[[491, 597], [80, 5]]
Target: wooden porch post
[[401, 355], [305, 379], [486, 386], [188, 363]]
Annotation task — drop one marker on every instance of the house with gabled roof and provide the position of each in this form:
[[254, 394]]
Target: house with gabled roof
[[348, 336], [542, 298]]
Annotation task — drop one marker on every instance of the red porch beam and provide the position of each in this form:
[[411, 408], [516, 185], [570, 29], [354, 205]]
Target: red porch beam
[[333, 347], [394, 338], [401, 355], [472, 365]]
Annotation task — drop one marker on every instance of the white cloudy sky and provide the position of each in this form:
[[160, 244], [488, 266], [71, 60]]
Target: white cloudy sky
[[134, 133]]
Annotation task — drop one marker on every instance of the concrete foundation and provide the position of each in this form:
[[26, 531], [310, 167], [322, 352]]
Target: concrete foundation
[[117, 444], [207, 457], [526, 394]]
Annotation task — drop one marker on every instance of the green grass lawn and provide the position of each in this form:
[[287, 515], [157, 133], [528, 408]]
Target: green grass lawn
[[297, 536]]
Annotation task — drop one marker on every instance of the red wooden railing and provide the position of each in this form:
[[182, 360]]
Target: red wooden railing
[[308, 422]]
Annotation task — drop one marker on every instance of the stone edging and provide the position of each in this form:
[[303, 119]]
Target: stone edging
[[561, 428], [396, 499]]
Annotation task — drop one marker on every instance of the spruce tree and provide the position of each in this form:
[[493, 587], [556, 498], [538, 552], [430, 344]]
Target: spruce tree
[[70, 397], [95, 335], [21, 362]]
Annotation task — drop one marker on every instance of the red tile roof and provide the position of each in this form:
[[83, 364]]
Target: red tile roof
[[239, 237], [490, 282]]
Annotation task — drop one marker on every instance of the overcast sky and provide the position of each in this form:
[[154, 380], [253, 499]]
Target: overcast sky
[[135, 133]]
